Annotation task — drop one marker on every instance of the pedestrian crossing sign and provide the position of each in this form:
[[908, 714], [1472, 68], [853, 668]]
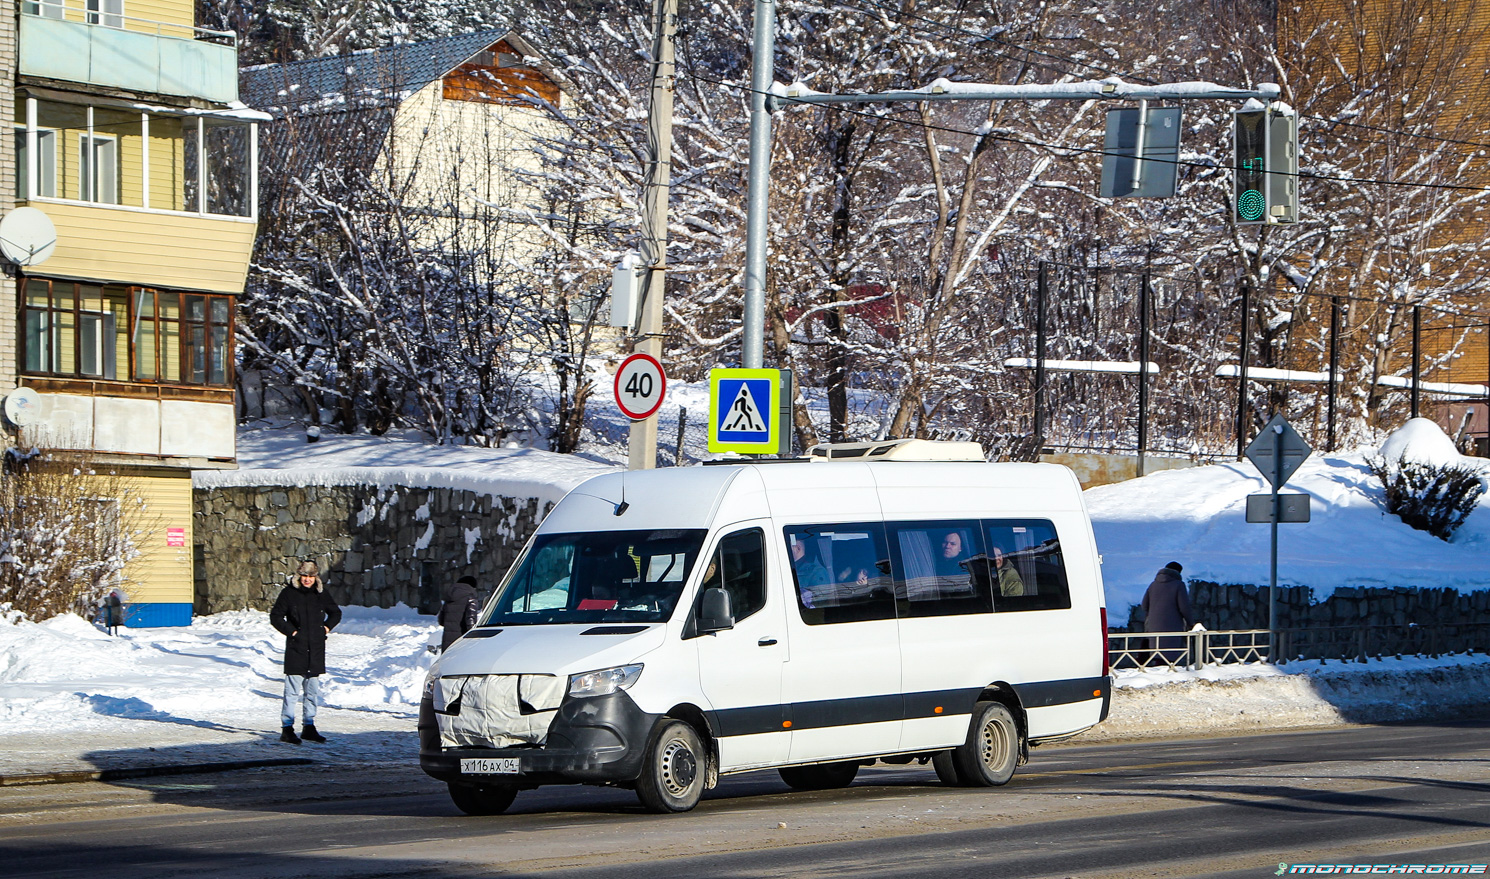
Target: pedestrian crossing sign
[[745, 411]]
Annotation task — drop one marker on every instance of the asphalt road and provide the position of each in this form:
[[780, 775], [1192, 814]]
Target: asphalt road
[[1236, 806]]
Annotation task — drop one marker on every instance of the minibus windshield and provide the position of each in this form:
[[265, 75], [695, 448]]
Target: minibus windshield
[[598, 577]]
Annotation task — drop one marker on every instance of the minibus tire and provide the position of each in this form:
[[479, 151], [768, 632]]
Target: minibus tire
[[991, 751], [822, 776], [946, 770], [482, 799], [673, 769]]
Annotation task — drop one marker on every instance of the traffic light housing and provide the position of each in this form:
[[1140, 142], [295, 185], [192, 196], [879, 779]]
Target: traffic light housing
[[1266, 165]]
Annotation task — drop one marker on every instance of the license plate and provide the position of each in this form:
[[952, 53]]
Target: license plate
[[489, 766]]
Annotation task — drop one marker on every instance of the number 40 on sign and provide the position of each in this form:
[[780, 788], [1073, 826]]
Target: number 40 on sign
[[640, 386]]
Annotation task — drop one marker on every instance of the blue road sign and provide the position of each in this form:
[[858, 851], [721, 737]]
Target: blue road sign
[[743, 407]]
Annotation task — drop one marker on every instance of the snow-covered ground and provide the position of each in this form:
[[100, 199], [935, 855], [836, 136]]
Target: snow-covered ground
[[73, 697]]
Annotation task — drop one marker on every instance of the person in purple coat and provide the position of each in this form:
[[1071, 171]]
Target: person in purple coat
[[1166, 608]]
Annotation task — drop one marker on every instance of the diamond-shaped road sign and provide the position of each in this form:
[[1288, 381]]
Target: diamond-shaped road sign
[[1278, 451]]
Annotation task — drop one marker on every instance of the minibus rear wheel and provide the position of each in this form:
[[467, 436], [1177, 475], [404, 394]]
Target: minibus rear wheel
[[823, 776], [673, 770], [991, 751], [482, 799]]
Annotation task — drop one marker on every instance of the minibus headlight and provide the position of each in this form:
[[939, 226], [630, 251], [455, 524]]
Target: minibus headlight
[[430, 680], [605, 681]]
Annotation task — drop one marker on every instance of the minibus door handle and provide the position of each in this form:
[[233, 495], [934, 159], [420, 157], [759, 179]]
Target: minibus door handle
[[766, 642]]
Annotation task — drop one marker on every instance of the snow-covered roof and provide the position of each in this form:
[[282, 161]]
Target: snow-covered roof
[[390, 73]]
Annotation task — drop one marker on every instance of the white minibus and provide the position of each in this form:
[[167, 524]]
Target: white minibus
[[663, 628]]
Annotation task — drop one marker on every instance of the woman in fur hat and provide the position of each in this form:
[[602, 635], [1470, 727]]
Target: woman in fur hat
[[305, 614]]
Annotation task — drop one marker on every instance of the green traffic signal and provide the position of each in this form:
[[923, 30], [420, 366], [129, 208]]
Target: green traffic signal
[[1250, 165]]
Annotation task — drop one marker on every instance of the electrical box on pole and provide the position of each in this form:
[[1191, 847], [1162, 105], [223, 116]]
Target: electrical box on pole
[[1265, 164]]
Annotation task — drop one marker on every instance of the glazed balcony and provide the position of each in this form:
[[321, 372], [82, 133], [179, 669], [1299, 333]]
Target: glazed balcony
[[93, 42]]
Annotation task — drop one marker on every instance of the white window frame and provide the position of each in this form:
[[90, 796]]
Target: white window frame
[[40, 180], [109, 13], [104, 178], [52, 9]]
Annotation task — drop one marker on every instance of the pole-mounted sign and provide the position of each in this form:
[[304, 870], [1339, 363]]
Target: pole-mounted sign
[[640, 386], [1277, 453], [748, 411]]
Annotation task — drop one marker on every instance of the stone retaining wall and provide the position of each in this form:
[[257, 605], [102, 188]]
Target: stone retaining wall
[[1234, 606], [377, 546]]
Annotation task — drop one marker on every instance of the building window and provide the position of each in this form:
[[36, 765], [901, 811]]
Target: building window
[[109, 13], [46, 163], [91, 331], [45, 8], [98, 162]]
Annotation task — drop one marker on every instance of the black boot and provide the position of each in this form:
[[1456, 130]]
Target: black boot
[[308, 732], [288, 735]]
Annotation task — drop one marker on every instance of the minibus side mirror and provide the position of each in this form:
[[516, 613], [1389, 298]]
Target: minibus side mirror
[[715, 615]]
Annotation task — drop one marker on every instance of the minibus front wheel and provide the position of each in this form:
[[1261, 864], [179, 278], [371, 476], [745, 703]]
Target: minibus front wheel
[[482, 799], [673, 769]]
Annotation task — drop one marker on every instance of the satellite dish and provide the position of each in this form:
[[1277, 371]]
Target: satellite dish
[[22, 406], [27, 237]]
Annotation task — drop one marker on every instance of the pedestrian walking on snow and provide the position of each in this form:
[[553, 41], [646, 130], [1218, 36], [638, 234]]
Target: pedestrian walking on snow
[[305, 614], [1166, 607], [458, 613]]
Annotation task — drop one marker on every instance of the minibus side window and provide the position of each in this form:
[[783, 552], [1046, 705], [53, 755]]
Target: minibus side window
[[934, 565], [1023, 566], [841, 572], [738, 567]]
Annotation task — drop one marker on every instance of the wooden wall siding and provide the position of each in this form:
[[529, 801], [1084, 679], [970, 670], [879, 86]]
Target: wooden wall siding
[[181, 13], [488, 84], [140, 247], [460, 159], [161, 573]]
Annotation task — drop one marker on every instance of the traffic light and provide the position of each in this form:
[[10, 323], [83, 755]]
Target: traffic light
[[1250, 164], [1266, 165]]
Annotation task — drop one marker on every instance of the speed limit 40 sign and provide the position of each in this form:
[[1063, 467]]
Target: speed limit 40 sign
[[640, 386]]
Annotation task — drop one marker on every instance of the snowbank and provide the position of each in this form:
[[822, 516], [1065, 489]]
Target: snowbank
[[1198, 517], [281, 456], [1258, 696]]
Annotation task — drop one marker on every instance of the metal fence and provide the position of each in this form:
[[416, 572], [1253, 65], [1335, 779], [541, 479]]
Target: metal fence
[[1192, 650]]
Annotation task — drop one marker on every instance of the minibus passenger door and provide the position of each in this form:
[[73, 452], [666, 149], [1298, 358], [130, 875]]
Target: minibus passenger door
[[740, 667]]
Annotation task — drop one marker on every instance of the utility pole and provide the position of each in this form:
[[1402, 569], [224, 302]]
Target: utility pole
[[642, 442], [762, 74]]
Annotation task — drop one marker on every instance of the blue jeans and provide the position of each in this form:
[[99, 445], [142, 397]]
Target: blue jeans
[[306, 691]]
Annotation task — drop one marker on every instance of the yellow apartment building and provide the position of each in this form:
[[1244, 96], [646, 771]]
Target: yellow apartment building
[[131, 150]]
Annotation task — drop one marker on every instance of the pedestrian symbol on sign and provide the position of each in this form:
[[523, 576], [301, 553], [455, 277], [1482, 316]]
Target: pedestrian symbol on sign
[[744, 414]]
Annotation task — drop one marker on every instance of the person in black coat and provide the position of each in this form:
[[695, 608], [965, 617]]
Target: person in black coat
[[458, 613], [1166, 607], [305, 614]]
